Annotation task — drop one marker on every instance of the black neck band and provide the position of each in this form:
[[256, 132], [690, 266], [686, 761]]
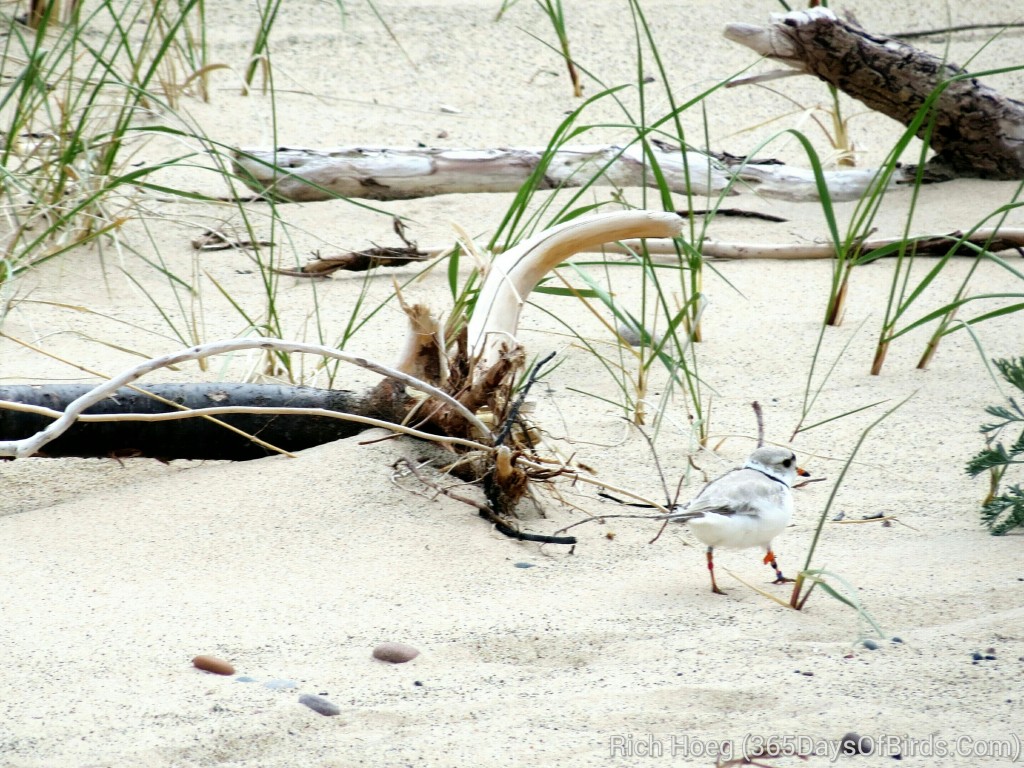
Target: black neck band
[[770, 477]]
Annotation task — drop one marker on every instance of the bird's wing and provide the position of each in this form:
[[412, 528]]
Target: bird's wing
[[739, 492]]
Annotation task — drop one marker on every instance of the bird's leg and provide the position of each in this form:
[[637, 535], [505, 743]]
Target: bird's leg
[[769, 559], [711, 570]]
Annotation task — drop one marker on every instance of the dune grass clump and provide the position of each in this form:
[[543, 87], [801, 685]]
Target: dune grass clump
[[70, 115]]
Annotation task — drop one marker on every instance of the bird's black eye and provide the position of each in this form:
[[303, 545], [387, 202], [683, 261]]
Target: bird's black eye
[[787, 462]]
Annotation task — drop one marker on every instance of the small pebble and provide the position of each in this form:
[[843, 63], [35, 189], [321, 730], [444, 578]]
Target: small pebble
[[524, 565], [807, 674], [319, 704], [395, 653], [213, 664], [418, 683], [977, 656], [280, 685], [897, 640], [871, 645], [245, 679], [990, 657], [853, 743]]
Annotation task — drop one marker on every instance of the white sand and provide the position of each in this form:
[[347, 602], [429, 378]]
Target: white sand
[[114, 575]]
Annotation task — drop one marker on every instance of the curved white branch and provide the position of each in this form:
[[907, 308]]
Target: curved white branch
[[513, 274], [31, 445]]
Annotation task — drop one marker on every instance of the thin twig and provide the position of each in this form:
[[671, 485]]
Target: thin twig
[[513, 413], [759, 415], [949, 30], [735, 212], [657, 465]]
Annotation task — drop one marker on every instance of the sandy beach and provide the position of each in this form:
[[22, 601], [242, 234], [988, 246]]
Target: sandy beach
[[114, 574]]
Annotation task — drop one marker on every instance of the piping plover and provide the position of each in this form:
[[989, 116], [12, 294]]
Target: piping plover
[[745, 507]]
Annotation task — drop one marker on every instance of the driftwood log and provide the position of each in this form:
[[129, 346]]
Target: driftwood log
[[196, 438], [379, 173], [977, 131]]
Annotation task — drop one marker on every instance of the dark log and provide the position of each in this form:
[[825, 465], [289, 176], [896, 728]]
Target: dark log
[[199, 438], [977, 131]]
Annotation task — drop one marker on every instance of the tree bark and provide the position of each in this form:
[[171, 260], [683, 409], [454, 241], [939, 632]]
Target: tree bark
[[977, 131]]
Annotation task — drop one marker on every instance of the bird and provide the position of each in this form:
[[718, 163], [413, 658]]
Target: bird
[[746, 507]]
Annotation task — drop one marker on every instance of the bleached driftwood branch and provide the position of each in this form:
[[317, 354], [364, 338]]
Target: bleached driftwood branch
[[977, 131], [513, 274], [304, 175]]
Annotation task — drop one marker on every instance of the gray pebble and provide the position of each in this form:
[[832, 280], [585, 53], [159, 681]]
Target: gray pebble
[[871, 645], [524, 565], [319, 704], [853, 743], [395, 653], [245, 679]]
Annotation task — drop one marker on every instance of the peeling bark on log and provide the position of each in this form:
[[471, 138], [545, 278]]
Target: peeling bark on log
[[307, 175], [977, 132], [198, 438]]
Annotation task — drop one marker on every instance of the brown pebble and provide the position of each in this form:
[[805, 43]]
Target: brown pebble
[[395, 653], [213, 664]]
